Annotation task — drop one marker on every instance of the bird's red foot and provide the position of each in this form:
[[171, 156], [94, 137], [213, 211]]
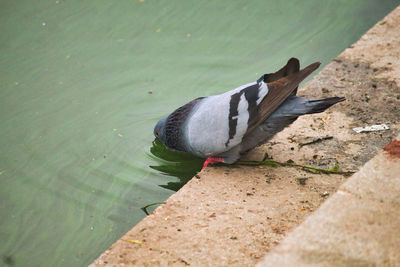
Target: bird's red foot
[[211, 160]]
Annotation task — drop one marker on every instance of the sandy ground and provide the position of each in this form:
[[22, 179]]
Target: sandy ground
[[232, 216], [357, 226]]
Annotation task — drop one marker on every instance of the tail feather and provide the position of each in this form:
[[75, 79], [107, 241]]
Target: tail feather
[[285, 115], [296, 106], [317, 106]]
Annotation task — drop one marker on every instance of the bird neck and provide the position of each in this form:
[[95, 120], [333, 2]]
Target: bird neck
[[174, 125]]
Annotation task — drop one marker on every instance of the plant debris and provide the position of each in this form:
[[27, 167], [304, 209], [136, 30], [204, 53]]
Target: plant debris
[[133, 241], [316, 141], [273, 163]]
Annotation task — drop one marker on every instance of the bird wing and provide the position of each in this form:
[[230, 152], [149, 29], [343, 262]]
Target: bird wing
[[220, 122], [292, 66], [278, 91]]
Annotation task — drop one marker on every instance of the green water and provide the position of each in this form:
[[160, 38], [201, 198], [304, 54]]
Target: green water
[[82, 84]]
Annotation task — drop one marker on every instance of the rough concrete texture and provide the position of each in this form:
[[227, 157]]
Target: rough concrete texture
[[357, 226], [234, 216]]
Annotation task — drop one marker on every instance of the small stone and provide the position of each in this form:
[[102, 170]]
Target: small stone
[[302, 180], [325, 194]]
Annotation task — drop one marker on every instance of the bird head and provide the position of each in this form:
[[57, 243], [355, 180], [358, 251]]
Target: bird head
[[159, 129]]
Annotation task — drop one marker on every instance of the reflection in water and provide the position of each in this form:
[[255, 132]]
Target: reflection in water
[[174, 163]]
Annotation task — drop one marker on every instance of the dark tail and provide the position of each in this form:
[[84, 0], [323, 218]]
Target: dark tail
[[317, 106]]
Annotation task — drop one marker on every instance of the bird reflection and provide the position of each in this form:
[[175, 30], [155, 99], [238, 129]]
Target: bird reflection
[[174, 163]]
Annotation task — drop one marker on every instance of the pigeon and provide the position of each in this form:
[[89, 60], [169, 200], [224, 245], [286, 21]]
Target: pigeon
[[221, 128]]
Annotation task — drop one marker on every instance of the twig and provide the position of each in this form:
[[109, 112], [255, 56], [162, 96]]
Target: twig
[[316, 141], [152, 204], [273, 163]]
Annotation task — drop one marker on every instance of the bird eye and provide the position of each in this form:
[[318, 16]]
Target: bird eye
[[156, 132]]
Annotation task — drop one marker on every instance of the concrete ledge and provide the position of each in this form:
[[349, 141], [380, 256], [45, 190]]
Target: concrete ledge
[[358, 226], [234, 216]]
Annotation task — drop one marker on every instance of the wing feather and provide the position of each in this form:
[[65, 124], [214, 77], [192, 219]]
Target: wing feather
[[220, 122], [278, 91]]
